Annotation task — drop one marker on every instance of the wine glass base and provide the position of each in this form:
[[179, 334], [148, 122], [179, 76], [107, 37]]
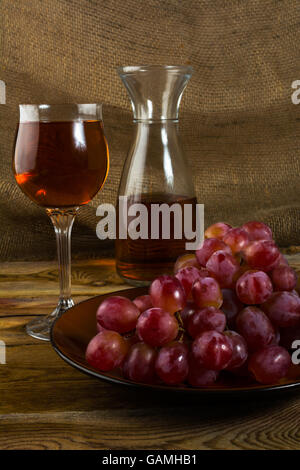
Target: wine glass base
[[40, 327]]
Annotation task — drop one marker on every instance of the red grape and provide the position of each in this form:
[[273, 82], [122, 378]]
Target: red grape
[[237, 239], [139, 364], [223, 266], [209, 318], [283, 309], [255, 327], [199, 376], [239, 350], [166, 292], [184, 261], [269, 365], [143, 302], [231, 305], [284, 278], [217, 230], [172, 363], [187, 277], [185, 314], [207, 293], [208, 247], [212, 350], [118, 314], [247, 265], [106, 350], [254, 287], [157, 327], [262, 254], [257, 231]]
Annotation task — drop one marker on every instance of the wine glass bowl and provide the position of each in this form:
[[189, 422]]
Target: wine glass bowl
[[60, 162]]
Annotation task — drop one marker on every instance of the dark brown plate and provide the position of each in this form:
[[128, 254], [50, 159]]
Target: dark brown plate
[[72, 332]]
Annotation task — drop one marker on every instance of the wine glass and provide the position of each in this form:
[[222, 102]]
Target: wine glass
[[60, 162]]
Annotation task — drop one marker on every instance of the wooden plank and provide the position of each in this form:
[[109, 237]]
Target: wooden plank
[[26, 279], [45, 404], [268, 424]]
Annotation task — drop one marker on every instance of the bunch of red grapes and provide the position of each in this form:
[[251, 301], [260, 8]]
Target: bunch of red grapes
[[230, 307]]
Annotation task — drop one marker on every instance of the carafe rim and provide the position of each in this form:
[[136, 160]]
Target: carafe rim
[[132, 69]]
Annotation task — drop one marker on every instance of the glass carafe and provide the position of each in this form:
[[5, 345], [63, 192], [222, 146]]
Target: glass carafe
[[155, 171]]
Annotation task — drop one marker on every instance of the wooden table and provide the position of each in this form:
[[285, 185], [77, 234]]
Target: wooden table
[[46, 404]]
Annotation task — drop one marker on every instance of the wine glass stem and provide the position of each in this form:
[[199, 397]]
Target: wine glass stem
[[63, 220]]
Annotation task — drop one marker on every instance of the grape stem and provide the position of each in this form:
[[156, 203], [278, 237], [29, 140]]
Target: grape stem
[[181, 329]]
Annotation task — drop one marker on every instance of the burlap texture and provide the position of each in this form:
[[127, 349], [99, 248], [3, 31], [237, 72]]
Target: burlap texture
[[238, 124]]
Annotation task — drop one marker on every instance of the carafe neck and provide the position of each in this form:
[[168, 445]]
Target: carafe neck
[[155, 91]]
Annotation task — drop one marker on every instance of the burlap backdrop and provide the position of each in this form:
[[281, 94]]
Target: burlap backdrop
[[238, 124]]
